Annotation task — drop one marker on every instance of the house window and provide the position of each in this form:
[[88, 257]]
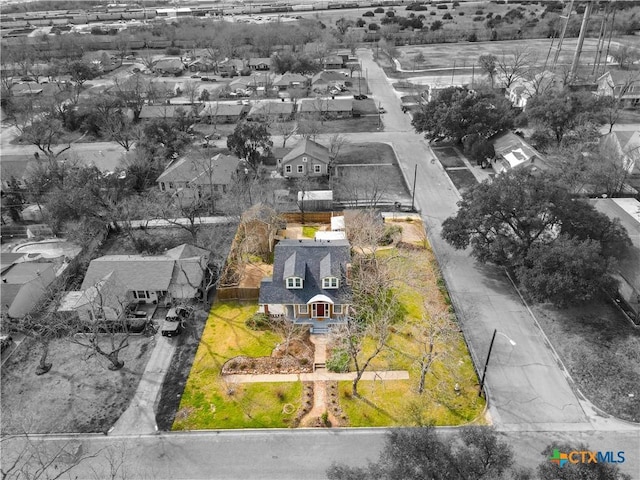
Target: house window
[[330, 282], [317, 168], [162, 187], [337, 309], [142, 294], [287, 169], [294, 282], [300, 168], [303, 309], [320, 310], [171, 185]]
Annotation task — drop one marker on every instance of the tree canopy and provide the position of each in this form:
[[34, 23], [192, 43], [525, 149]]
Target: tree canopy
[[561, 111], [251, 142], [456, 112], [531, 224]]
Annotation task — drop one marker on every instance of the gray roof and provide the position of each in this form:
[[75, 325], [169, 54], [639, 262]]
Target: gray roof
[[219, 109], [312, 261], [218, 170], [308, 147], [135, 271], [164, 111]]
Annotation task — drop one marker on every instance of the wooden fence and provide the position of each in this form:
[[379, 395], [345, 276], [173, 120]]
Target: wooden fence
[[243, 294], [309, 217]]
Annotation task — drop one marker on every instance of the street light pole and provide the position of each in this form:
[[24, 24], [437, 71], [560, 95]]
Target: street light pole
[[413, 194], [486, 363]]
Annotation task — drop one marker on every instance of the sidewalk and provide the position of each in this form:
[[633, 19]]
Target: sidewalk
[[140, 416]]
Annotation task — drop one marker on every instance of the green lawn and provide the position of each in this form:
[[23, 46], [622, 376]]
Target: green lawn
[[309, 231], [397, 403], [209, 402]]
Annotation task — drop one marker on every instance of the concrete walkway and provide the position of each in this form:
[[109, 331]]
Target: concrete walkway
[[140, 416], [317, 376]]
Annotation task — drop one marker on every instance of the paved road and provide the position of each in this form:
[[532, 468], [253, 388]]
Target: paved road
[[282, 454]]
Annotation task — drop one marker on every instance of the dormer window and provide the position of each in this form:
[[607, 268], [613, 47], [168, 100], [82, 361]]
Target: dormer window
[[294, 282], [330, 282]]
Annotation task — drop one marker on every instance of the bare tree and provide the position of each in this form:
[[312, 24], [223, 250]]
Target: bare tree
[[190, 90], [366, 188], [513, 65], [120, 129], [612, 105], [285, 128], [102, 325], [436, 328]]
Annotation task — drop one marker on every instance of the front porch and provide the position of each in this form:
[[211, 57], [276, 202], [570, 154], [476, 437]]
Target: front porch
[[318, 325]]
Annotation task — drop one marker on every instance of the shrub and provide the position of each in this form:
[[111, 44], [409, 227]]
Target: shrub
[[390, 13], [461, 14], [442, 7], [447, 16], [173, 51], [479, 12], [259, 321], [432, 13], [368, 14], [472, 37], [338, 362], [390, 232], [456, 4], [379, 10], [478, 19]]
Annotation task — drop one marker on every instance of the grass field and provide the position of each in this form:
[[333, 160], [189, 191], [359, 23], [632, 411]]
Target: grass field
[[209, 402], [396, 403], [466, 54]]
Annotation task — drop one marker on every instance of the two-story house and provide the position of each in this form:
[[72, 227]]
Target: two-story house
[[310, 283], [308, 158]]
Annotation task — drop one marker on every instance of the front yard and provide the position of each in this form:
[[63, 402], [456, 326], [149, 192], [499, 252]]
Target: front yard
[[78, 395], [210, 402]]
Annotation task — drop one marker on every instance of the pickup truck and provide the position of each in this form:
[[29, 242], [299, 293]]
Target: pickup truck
[[173, 322]]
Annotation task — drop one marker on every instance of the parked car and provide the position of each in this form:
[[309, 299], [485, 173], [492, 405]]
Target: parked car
[[360, 97], [195, 75], [382, 110], [174, 321]]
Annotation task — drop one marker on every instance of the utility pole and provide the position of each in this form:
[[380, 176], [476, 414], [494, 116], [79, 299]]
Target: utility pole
[[583, 32], [564, 30], [413, 194]]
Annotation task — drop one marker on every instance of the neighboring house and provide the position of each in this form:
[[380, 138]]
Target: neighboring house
[[323, 81], [271, 110], [177, 274], [513, 152], [167, 111], [15, 170], [290, 80], [523, 89], [260, 64], [24, 284], [626, 144], [308, 158], [310, 283], [332, 62], [108, 299], [620, 85], [191, 176], [627, 266], [230, 66], [169, 66], [327, 107], [256, 81], [221, 112], [202, 64]]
